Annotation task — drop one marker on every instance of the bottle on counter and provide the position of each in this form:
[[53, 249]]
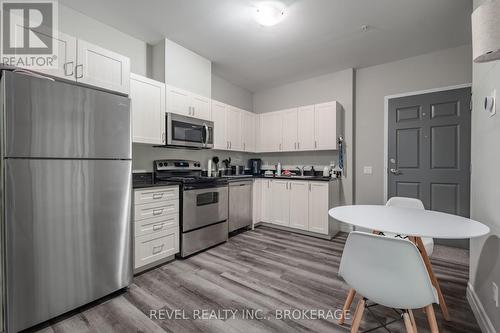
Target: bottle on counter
[[278, 169]]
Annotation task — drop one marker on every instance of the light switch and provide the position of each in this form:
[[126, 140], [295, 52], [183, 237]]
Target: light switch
[[367, 170]]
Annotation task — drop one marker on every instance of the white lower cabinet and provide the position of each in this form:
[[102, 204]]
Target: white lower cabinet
[[155, 247], [280, 202], [297, 204], [156, 225], [318, 207], [256, 201], [265, 198]]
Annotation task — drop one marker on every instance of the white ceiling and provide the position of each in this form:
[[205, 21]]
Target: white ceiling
[[316, 37]]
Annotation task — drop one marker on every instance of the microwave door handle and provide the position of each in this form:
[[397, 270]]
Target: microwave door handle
[[207, 133]]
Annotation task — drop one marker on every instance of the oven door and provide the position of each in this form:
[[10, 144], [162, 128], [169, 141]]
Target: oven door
[[202, 207], [191, 132]]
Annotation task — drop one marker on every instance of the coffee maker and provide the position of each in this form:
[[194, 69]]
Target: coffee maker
[[255, 165]]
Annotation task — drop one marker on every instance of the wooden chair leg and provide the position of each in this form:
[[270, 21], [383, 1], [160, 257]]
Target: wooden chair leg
[[408, 324], [413, 322], [358, 315], [431, 317], [347, 305], [434, 280]]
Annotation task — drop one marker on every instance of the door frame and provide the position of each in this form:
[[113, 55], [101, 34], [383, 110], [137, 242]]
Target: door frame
[[386, 121]]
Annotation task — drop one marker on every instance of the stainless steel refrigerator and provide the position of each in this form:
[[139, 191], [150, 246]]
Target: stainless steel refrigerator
[[65, 197]]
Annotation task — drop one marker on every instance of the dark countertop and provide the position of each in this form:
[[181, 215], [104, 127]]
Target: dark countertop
[[145, 180], [313, 179], [309, 179]]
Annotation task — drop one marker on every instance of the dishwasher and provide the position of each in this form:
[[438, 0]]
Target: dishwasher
[[240, 205]]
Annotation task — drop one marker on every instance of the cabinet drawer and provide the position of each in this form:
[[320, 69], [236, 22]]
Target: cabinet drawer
[[156, 195], [156, 224], [157, 246], [156, 209]]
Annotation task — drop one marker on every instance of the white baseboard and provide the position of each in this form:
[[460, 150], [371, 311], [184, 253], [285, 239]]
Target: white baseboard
[[477, 308]]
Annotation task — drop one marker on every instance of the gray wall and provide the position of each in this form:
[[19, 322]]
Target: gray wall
[[485, 187], [226, 92], [439, 69], [81, 26], [337, 86]]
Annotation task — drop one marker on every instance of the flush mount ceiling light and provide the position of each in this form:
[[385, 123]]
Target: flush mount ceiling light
[[269, 13]]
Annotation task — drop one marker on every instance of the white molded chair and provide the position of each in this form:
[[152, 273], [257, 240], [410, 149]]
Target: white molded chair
[[412, 203], [390, 272]]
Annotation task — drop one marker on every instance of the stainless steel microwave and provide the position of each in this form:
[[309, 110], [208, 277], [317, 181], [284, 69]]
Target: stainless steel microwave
[[188, 132]]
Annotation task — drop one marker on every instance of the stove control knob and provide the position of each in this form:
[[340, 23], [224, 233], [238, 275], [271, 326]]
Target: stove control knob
[[160, 164]]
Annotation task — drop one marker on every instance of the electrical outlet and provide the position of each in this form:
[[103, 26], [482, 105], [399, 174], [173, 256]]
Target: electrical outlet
[[494, 289], [367, 170]]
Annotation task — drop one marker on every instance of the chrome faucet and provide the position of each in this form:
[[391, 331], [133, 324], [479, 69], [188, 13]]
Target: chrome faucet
[[301, 170]]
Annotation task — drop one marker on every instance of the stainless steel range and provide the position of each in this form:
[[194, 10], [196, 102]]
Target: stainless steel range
[[204, 204]]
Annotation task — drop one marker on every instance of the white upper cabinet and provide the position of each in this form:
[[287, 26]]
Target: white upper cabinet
[[290, 129], [318, 207], [299, 204], [326, 123], [87, 63], [178, 101], [233, 128], [313, 127], [103, 68], [248, 124], [185, 103], [270, 132], [201, 107], [148, 110], [305, 134], [219, 118], [66, 57]]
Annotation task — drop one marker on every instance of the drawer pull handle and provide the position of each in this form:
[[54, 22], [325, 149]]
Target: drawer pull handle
[[157, 211], [157, 249], [157, 195], [158, 227]]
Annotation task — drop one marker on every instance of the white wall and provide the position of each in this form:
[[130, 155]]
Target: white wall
[[182, 68], [337, 86], [226, 92], [485, 188], [84, 27], [144, 155], [438, 69]]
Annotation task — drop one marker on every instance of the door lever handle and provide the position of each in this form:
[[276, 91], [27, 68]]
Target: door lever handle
[[395, 171]]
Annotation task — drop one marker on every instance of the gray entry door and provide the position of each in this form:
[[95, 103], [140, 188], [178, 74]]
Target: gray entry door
[[429, 151]]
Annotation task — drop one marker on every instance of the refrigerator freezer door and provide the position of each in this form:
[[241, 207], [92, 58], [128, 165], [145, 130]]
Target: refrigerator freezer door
[[51, 119], [68, 235]]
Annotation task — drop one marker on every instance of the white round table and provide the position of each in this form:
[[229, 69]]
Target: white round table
[[415, 223], [409, 221]]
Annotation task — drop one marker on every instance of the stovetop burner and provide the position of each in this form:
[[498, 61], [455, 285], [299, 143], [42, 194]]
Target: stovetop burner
[[187, 173]]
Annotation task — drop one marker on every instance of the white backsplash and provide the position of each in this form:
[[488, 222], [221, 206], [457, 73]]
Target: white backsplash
[[144, 155]]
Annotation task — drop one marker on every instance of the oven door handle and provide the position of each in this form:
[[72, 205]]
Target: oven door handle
[[197, 190]]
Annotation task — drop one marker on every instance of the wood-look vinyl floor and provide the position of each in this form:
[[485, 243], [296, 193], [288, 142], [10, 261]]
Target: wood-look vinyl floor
[[264, 269]]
